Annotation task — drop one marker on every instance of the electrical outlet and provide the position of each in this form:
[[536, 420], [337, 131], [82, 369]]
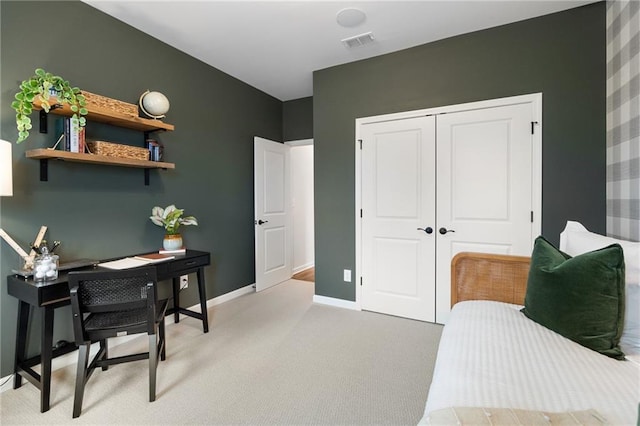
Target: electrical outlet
[[347, 275], [184, 281]]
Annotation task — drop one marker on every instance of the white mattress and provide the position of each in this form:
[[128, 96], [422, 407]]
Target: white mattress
[[491, 355]]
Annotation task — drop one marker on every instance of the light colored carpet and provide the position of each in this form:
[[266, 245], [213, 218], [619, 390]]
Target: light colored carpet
[[270, 358]]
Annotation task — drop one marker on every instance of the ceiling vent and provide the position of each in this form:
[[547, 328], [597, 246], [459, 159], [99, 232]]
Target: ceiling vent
[[359, 40]]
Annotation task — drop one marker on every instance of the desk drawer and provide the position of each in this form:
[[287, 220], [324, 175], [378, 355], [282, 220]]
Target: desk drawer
[[179, 266], [41, 293]]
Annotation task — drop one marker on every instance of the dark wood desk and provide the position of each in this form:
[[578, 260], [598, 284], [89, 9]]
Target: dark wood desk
[[48, 296]]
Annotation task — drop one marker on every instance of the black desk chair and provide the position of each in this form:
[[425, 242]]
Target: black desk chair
[[115, 303]]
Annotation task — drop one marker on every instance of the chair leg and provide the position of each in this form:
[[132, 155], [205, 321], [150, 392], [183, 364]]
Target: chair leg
[[81, 378], [104, 345], [153, 363]]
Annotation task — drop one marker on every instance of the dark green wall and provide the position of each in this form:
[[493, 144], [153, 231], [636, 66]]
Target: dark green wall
[[561, 55], [297, 119], [99, 211]]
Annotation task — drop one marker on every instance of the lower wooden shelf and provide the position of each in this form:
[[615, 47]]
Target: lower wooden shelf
[[45, 154]]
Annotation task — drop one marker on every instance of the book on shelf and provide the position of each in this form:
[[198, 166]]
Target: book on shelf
[[60, 130], [67, 134], [82, 145], [176, 251], [155, 149], [73, 137]]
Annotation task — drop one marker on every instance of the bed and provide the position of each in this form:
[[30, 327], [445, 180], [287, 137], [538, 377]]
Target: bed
[[496, 366]]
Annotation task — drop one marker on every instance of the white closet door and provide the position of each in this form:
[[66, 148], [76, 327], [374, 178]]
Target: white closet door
[[398, 193], [484, 195]]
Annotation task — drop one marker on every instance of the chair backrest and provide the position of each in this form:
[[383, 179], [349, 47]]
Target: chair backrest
[[101, 291]]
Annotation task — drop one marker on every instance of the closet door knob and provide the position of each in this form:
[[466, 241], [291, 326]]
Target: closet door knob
[[445, 230], [260, 222], [428, 229]]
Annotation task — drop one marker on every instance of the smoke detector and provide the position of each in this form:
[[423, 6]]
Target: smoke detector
[[359, 40], [350, 17]]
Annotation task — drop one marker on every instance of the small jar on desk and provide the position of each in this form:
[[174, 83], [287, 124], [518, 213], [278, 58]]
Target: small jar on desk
[[45, 266]]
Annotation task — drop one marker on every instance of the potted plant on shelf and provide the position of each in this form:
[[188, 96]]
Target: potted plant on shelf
[[49, 90], [171, 218]]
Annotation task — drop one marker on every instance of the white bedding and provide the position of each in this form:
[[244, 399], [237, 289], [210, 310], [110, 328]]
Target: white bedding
[[491, 355]]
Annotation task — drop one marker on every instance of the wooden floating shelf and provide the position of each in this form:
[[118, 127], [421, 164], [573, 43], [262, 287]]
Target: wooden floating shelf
[[114, 118], [52, 154], [98, 113]]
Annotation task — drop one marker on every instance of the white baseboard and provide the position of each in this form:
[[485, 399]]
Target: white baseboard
[[340, 303], [251, 288], [302, 267], [71, 358]]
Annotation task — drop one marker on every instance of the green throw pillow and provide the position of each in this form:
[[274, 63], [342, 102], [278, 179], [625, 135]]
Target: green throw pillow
[[581, 298]]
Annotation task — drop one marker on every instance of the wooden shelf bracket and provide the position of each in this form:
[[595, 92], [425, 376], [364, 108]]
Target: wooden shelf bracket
[[44, 170]]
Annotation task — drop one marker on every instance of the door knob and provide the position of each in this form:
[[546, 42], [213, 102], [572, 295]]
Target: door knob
[[428, 229], [260, 222], [445, 230]]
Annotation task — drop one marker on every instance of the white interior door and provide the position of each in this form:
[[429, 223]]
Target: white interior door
[[398, 190], [273, 236], [484, 196]]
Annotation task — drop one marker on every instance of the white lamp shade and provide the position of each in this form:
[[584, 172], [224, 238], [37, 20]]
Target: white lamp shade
[[6, 169]]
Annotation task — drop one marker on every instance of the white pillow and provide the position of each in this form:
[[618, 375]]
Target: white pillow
[[575, 240], [630, 339]]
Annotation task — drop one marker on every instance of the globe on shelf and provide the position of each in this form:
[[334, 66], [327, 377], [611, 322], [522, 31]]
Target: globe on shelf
[[154, 104]]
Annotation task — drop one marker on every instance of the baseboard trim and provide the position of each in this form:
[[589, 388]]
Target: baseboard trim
[[302, 268], [340, 303], [251, 288], [71, 358]]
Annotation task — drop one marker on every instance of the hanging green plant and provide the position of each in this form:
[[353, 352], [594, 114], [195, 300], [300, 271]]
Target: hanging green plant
[[49, 90]]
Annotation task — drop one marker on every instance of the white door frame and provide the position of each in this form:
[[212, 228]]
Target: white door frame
[[535, 99], [295, 215], [299, 142]]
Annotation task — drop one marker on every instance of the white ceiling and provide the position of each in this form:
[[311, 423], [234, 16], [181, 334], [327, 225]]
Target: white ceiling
[[276, 45]]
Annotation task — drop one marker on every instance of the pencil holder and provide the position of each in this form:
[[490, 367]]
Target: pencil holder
[[45, 267]]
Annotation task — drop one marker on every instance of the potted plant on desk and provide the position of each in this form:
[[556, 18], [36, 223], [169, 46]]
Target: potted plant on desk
[[171, 218]]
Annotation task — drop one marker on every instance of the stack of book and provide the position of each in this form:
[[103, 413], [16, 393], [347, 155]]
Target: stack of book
[[155, 149], [72, 138]]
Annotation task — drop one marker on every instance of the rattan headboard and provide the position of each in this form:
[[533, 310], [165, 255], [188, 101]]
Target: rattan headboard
[[482, 276]]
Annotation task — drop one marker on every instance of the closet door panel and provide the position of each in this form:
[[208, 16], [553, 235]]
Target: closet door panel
[[398, 189], [484, 193]]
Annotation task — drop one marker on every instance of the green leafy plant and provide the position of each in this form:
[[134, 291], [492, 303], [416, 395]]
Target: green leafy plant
[[49, 90], [171, 218]]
